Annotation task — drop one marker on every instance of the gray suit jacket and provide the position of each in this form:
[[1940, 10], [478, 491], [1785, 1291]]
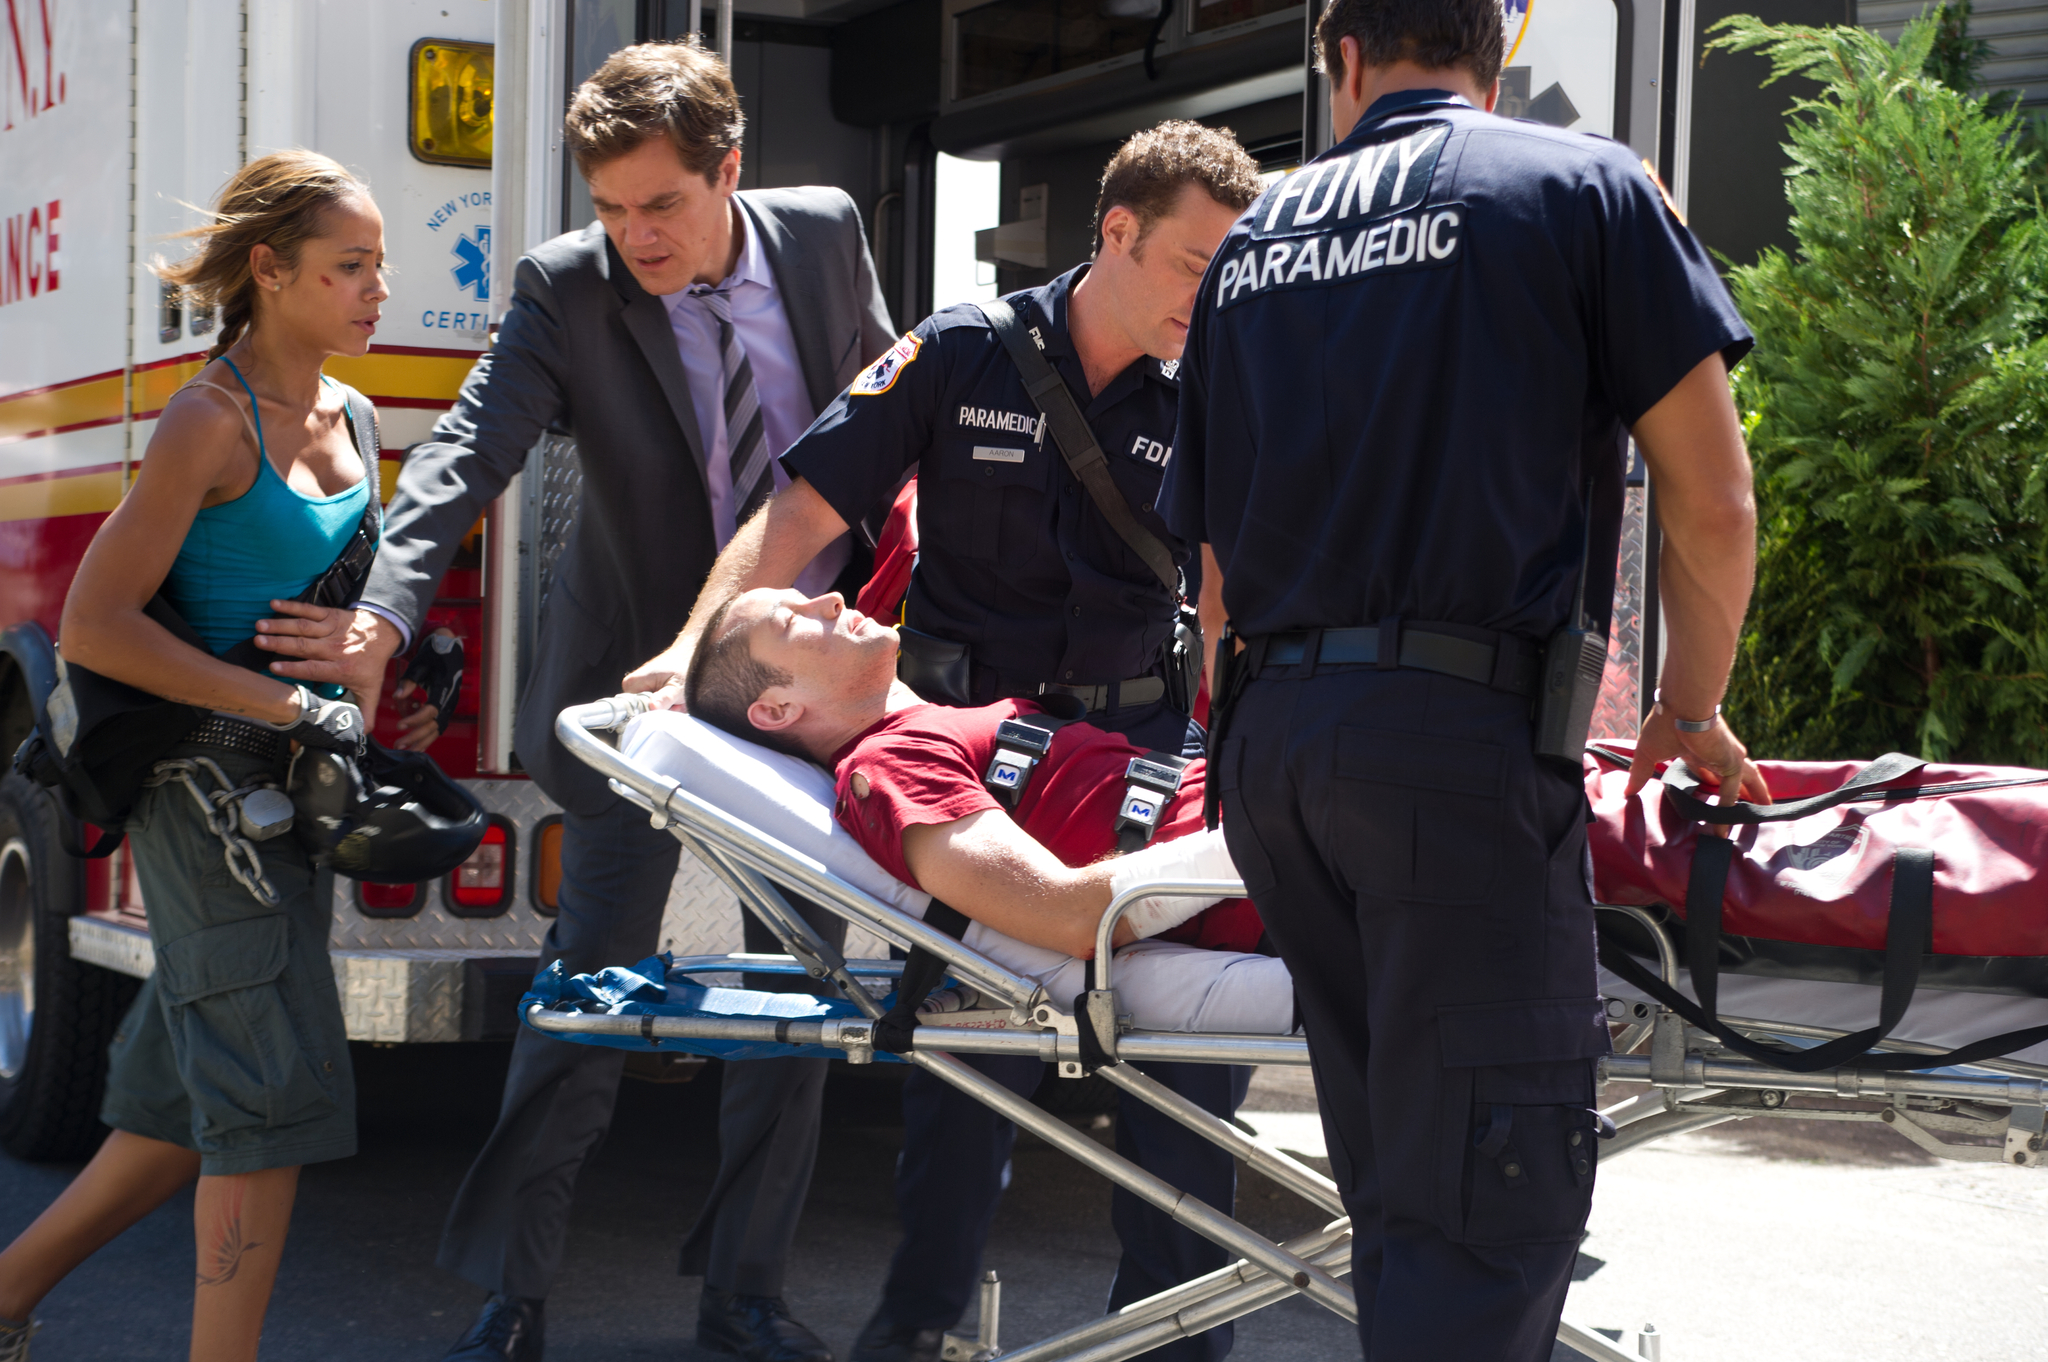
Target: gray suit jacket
[[584, 350]]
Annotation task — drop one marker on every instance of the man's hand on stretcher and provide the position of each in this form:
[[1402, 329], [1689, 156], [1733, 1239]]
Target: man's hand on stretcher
[[986, 866], [771, 549]]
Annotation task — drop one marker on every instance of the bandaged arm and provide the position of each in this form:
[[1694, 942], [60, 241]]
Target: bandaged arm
[[1202, 856]]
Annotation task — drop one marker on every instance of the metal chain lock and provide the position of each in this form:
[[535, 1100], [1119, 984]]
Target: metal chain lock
[[230, 817]]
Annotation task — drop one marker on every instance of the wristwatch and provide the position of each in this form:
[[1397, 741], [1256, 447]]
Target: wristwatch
[[1705, 725]]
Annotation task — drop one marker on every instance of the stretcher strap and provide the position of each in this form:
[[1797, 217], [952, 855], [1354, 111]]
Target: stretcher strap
[[1908, 934], [922, 972]]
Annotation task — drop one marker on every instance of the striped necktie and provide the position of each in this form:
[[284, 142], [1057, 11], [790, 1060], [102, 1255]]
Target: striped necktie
[[746, 439]]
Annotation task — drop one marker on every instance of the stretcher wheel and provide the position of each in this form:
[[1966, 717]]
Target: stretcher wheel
[[57, 1015]]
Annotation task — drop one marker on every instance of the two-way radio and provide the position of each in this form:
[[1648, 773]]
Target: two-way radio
[[1573, 662]]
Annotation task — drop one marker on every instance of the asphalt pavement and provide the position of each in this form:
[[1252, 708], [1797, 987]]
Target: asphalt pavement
[[1755, 1240], [359, 1281]]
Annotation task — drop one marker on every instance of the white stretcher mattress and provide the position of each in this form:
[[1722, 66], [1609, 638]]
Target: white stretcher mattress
[[1164, 986]]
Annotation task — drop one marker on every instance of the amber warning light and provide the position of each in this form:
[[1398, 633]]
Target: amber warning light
[[452, 103]]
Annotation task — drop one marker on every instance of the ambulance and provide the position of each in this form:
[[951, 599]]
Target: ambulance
[[121, 115]]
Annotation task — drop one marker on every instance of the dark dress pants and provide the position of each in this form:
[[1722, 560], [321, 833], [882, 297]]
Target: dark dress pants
[[953, 1169], [509, 1224], [955, 1153], [1425, 877]]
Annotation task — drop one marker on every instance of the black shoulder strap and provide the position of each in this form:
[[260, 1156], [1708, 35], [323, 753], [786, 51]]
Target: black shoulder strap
[[1077, 442], [362, 415]]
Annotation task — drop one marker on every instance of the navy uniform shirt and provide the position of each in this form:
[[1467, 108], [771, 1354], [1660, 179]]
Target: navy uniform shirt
[[1410, 357], [1013, 557]]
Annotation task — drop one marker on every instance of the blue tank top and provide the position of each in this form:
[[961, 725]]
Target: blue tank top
[[270, 543]]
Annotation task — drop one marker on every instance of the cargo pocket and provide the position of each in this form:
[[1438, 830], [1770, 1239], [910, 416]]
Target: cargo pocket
[[1418, 818], [244, 1047], [1518, 1138]]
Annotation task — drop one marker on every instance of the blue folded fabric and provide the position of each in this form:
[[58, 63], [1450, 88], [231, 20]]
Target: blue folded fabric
[[644, 990]]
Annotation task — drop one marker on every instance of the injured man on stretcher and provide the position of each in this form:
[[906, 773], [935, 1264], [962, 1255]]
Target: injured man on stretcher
[[1012, 819], [1028, 857]]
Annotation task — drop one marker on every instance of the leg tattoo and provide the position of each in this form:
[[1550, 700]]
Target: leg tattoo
[[228, 1249]]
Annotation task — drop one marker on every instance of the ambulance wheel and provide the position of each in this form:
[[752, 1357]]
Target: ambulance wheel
[[56, 1015]]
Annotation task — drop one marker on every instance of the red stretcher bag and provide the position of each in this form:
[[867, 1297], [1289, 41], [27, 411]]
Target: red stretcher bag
[[1896, 872]]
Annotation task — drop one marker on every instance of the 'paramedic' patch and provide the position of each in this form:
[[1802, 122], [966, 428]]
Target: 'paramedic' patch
[[880, 376], [1421, 239], [1372, 182]]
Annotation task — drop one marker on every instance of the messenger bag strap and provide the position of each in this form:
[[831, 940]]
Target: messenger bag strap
[[1077, 443]]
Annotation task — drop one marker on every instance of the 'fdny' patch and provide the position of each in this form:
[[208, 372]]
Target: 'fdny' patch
[[1374, 181], [880, 376], [1420, 239]]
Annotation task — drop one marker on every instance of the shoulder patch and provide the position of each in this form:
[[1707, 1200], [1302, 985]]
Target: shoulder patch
[[881, 376], [1669, 202]]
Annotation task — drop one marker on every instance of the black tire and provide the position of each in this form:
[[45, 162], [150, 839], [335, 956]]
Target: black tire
[[51, 1077]]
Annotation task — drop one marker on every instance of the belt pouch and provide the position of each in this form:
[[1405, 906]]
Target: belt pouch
[[936, 668]]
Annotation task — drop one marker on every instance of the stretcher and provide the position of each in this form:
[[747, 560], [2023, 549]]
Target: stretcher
[[763, 823]]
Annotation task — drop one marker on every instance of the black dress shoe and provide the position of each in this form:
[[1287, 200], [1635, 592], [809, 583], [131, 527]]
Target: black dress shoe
[[882, 1341], [757, 1328], [508, 1329]]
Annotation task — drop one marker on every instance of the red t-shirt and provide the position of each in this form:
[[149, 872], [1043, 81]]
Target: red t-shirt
[[924, 765]]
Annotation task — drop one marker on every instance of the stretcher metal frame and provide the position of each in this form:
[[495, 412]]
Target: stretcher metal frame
[[1692, 1082]]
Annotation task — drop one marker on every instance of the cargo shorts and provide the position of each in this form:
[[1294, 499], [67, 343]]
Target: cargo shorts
[[235, 1046]]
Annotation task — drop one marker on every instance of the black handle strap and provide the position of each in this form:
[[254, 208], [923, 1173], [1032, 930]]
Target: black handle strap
[[922, 972], [1680, 782], [1077, 443], [1908, 935]]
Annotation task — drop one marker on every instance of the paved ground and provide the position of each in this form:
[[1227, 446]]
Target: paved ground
[[1738, 1243], [359, 1280]]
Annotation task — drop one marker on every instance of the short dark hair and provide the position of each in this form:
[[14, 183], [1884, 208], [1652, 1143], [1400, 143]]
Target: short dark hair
[[1148, 172], [725, 679], [1433, 34], [677, 90]]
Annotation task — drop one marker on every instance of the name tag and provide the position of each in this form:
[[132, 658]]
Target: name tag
[[994, 455]]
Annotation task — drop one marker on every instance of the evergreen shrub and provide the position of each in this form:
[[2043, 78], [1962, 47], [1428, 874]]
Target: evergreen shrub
[[1896, 407]]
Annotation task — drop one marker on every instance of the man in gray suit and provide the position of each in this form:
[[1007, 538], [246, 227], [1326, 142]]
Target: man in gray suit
[[684, 340]]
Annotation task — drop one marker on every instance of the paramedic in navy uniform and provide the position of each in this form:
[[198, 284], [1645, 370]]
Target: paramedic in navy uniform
[[1409, 362], [1016, 562]]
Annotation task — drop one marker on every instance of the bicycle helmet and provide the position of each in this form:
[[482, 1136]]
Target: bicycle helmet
[[390, 817]]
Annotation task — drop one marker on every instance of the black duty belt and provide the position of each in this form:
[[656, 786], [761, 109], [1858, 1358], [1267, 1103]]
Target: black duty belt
[[1504, 662], [241, 735], [1139, 690]]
